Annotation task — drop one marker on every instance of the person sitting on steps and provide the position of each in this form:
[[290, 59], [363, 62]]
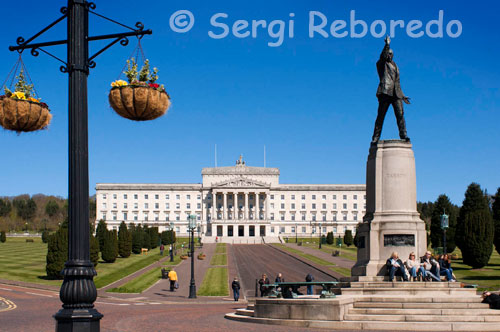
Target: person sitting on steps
[[431, 267], [414, 267], [396, 267], [446, 270]]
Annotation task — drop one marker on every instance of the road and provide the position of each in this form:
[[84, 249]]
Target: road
[[254, 260], [34, 309]]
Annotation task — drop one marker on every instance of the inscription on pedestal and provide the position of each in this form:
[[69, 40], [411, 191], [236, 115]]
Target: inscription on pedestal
[[399, 240]]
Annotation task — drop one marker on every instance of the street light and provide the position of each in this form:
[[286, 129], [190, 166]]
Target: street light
[[320, 235], [296, 231], [192, 284], [172, 244], [78, 291], [444, 226]]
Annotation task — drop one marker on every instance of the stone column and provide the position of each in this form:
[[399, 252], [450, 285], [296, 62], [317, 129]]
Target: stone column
[[266, 213], [257, 213], [392, 222], [246, 207], [214, 205], [224, 206], [235, 205]]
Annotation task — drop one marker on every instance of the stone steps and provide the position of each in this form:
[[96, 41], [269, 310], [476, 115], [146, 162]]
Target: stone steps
[[427, 305], [423, 311], [419, 299], [421, 318], [245, 312], [406, 285], [421, 291], [372, 325]]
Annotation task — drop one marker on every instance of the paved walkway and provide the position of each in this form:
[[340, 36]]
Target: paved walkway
[[337, 260]]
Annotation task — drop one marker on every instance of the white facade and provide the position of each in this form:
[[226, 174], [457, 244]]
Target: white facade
[[250, 205]]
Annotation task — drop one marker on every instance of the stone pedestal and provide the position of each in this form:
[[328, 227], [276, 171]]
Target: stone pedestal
[[391, 222]]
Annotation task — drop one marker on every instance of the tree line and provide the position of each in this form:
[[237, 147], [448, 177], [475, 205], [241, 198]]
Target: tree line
[[36, 213], [107, 244], [474, 227]]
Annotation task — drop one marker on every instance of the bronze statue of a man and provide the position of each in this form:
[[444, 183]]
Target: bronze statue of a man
[[389, 93]]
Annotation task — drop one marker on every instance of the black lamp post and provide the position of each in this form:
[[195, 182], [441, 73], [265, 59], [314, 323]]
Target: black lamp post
[[320, 235], [78, 291], [296, 231], [172, 244], [444, 227], [192, 284]]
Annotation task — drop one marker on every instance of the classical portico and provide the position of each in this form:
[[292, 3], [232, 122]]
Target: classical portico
[[238, 200]]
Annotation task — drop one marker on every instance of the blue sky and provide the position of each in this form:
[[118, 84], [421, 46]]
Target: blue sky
[[310, 101]]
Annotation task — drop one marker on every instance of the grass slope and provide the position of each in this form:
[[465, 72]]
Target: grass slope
[[140, 283], [219, 259], [215, 282]]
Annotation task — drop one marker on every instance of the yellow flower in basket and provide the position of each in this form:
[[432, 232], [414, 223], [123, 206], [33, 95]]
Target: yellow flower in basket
[[34, 99], [18, 95], [119, 83]]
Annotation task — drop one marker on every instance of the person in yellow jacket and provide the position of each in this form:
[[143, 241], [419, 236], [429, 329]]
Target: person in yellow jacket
[[172, 276]]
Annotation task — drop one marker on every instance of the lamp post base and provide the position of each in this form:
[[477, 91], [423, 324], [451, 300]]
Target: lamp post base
[[192, 290], [78, 320]]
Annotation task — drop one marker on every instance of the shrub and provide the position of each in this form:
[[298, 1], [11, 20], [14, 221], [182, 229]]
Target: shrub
[[110, 249], [94, 250], [45, 236], [57, 252], [496, 219], [348, 240], [329, 238], [475, 228], [101, 233], [124, 241], [137, 239]]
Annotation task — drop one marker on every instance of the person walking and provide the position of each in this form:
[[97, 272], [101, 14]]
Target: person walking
[[309, 278], [172, 276], [236, 289], [162, 247]]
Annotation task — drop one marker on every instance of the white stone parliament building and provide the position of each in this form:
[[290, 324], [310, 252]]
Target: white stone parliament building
[[236, 204]]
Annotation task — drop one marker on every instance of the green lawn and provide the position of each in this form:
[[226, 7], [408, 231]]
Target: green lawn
[[310, 257], [214, 283], [220, 248], [122, 267], [487, 277], [349, 253], [342, 270], [140, 283], [24, 261], [219, 259]]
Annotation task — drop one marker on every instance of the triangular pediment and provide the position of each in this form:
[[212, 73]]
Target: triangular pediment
[[241, 182]]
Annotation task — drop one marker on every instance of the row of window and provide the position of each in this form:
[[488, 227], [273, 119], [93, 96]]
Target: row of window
[[156, 216], [146, 205], [230, 206], [313, 206], [198, 197], [315, 218], [156, 196], [323, 197]]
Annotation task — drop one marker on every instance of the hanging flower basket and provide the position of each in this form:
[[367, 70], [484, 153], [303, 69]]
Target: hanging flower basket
[[21, 112], [140, 98], [23, 115]]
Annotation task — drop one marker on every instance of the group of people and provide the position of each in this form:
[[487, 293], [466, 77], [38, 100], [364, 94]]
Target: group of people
[[426, 268]]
